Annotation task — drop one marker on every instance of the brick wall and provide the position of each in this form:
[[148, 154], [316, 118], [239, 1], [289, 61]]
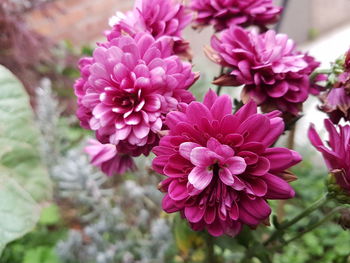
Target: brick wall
[[79, 21], [82, 21]]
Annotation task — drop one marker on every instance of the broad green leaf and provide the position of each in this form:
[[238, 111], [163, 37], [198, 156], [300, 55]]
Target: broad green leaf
[[19, 138], [187, 240], [18, 211], [24, 180]]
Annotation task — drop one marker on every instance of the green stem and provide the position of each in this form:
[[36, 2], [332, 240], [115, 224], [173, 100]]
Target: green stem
[[313, 226], [222, 69], [323, 200], [210, 249], [320, 71]]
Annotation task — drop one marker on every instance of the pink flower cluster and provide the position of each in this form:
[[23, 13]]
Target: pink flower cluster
[[220, 166], [337, 154], [223, 13], [273, 73], [126, 88], [336, 101], [157, 17], [106, 157]]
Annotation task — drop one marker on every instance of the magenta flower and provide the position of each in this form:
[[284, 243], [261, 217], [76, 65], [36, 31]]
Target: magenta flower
[[337, 154], [273, 73], [107, 158], [159, 18], [336, 101], [223, 13], [127, 87], [220, 167]]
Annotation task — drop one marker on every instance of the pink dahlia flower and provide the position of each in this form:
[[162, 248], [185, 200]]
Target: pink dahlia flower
[[273, 73], [220, 167], [336, 102], [128, 86], [223, 13], [337, 154], [107, 158], [159, 18]]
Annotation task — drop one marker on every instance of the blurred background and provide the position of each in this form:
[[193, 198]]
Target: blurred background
[[320, 27], [95, 219]]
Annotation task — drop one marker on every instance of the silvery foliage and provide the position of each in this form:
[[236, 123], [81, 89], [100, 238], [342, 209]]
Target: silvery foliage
[[48, 114], [121, 223]]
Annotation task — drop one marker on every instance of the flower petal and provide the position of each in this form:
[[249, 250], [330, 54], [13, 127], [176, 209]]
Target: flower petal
[[200, 177]]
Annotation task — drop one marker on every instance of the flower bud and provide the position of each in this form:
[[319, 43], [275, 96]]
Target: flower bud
[[334, 189], [344, 219]]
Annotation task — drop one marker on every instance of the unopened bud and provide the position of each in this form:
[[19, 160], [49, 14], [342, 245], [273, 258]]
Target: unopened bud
[[344, 219], [335, 190]]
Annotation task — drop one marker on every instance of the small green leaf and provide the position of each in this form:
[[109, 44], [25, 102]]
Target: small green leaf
[[41, 254], [50, 215]]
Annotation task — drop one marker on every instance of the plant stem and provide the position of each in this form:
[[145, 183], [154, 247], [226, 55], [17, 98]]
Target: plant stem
[[317, 224], [290, 145], [323, 200], [210, 252], [222, 69], [279, 24]]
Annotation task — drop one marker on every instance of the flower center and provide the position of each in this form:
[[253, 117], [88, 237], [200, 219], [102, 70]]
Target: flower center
[[215, 168]]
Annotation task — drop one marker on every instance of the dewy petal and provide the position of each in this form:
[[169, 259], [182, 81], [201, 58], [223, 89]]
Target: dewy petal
[[196, 111], [168, 205], [186, 148], [277, 188], [209, 98], [210, 214], [281, 158], [246, 111], [221, 107], [177, 191], [236, 165], [258, 207], [99, 152], [257, 186], [200, 177], [226, 176], [203, 157], [141, 131], [194, 214], [215, 229], [314, 137]]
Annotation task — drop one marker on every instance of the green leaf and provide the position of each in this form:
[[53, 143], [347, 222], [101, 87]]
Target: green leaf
[[50, 215], [19, 138], [18, 211], [23, 177], [41, 254], [186, 239]]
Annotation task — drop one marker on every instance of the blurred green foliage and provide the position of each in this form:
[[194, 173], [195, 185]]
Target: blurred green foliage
[[39, 245]]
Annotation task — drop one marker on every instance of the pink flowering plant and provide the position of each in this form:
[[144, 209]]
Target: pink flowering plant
[[219, 162]]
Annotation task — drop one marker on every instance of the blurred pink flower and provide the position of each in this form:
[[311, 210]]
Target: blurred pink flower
[[223, 13], [273, 73], [159, 18], [108, 159], [220, 167], [336, 101], [128, 86], [337, 154]]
